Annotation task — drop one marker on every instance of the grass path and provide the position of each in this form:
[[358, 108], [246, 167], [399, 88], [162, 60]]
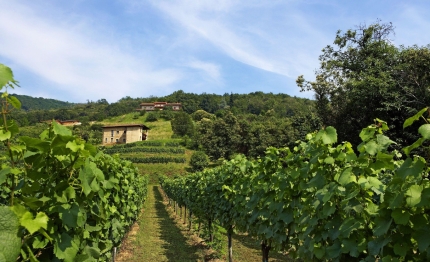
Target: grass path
[[160, 235], [155, 236]]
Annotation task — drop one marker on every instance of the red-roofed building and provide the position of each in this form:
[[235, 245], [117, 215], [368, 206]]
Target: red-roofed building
[[159, 106]]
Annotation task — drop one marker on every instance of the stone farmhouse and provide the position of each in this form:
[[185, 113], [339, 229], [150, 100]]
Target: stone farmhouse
[[159, 106], [122, 134]]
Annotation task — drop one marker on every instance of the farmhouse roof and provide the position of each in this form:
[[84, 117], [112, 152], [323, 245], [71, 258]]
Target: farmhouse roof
[[128, 125]]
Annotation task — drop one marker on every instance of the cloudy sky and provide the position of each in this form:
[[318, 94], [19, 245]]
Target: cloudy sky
[[80, 50]]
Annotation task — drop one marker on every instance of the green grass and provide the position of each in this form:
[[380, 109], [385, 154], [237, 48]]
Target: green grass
[[156, 237], [169, 169], [160, 130], [130, 118], [161, 235]]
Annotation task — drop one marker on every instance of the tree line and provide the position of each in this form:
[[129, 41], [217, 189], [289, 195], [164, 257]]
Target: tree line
[[257, 103], [364, 76]]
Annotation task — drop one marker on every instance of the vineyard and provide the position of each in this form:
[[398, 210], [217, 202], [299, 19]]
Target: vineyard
[[114, 150], [149, 152], [60, 198], [320, 201]]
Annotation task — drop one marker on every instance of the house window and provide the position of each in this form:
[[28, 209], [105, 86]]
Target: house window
[[111, 133], [123, 140], [125, 131], [111, 139], [117, 131], [116, 140], [106, 140]]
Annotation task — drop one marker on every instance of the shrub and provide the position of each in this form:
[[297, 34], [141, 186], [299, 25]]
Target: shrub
[[199, 160], [152, 117]]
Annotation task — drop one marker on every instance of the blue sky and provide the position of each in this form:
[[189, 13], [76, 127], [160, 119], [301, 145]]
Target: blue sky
[[87, 50]]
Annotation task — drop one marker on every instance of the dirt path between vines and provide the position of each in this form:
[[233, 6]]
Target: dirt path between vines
[[160, 235], [155, 236]]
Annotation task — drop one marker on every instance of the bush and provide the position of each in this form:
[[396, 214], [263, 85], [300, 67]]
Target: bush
[[167, 114], [199, 160], [152, 117], [182, 124]]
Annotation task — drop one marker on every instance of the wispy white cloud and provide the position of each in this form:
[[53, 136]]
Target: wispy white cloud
[[210, 69], [248, 33], [82, 50], [189, 15], [79, 65]]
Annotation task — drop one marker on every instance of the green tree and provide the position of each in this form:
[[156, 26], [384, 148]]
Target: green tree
[[152, 116], [364, 77], [182, 124], [199, 160], [220, 138], [200, 114]]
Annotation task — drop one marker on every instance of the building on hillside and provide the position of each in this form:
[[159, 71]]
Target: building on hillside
[[159, 106], [64, 122], [70, 122], [122, 134]]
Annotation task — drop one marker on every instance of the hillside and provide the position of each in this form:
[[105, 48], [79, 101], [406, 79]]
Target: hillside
[[257, 103], [40, 103]]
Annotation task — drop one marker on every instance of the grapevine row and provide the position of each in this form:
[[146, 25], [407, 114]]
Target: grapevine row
[[147, 144], [156, 159], [60, 198], [75, 204], [320, 201]]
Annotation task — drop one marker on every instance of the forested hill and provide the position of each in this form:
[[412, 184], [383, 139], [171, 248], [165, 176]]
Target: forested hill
[[257, 103], [37, 103]]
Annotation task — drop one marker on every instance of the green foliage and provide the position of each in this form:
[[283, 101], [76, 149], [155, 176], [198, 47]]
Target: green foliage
[[167, 113], [200, 114], [10, 243], [364, 76], [220, 137], [199, 161], [69, 201], [182, 124], [246, 134], [320, 201], [152, 116], [156, 159], [40, 103], [171, 150], [172, 144]]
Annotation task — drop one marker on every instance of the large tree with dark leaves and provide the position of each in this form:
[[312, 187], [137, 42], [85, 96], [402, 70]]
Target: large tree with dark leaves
[[363, 76]]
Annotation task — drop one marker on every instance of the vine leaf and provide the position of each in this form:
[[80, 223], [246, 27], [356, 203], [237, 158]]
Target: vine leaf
[[400, 216], [33, 225], [6, 75], [424, 130], [4, 135], [327, 135], [66, 247], [347, 177], [414, 118], [60, 129], [14, 102], [10, 243], [423, 239], [74, 146], [382, 225], [414, 195]]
